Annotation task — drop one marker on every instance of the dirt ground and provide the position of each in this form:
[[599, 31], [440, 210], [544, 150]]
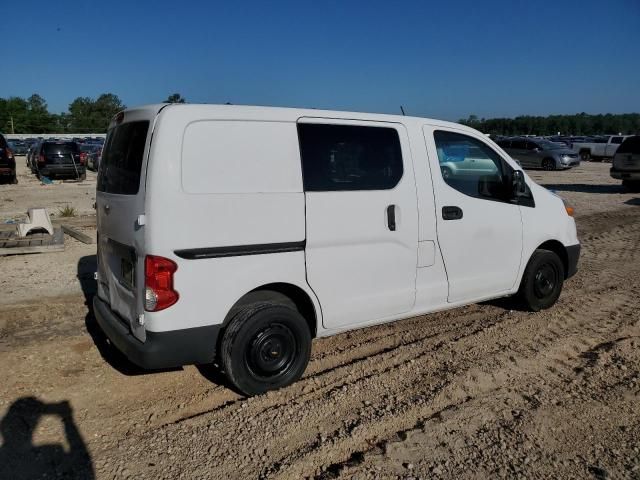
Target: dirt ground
[[483, 391]]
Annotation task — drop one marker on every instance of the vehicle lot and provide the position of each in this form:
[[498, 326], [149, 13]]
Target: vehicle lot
[[479, 391]]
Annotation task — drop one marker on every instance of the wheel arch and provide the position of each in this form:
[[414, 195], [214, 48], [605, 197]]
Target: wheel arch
[[286, 293], [559, 249]]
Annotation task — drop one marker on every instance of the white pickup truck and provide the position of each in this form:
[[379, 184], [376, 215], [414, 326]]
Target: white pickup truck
[[598, 150]]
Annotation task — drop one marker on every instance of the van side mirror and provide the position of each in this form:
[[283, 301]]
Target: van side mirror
[[519, 186]]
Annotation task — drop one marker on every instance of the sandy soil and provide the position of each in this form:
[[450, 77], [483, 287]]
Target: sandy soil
[[482, 391], [30, 192]]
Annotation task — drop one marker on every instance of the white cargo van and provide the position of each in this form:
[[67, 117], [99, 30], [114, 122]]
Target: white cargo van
[[234, 235]]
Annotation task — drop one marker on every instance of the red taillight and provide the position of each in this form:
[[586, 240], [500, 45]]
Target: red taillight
[[83, 158], [158, 275], [41, 158]]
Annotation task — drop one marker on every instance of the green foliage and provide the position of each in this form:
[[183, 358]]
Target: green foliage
[[67, 211], [32, 115], [87, 115], [579, 124], [175, 98]]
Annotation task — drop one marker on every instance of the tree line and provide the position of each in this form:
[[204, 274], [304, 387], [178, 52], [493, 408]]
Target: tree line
[[84, 115], [88, 115], [579, 124]]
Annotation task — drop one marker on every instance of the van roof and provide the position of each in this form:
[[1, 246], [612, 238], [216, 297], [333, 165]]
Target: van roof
[[282, 113]]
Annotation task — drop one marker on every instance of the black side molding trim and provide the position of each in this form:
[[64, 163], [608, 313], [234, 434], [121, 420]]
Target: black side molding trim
[[240, 250]]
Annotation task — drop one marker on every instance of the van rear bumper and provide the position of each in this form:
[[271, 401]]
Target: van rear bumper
[[161, 349]]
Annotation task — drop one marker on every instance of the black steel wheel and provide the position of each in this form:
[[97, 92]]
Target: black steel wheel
[[265, 346], [542, 280]]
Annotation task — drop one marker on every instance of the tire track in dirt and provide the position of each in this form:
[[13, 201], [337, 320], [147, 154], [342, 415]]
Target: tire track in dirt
[[368, 390]]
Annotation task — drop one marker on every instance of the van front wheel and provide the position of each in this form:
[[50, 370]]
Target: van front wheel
[[265, 346], [542, 280]]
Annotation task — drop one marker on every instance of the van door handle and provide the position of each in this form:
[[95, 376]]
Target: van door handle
[[391, 217], [451, 213]]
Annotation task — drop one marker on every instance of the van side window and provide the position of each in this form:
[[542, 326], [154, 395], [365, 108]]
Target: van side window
[[472, 167], [349, 157]]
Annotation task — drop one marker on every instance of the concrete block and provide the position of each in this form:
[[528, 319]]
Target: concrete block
[[38, 220]]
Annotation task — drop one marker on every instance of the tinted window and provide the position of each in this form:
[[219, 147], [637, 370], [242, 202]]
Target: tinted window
[[122, 157], [60, 148], [616, 140], [504, 143], [519, 144], [471, 166], [3, 142], [630, 145], [531, 146], [346, 157], [88, 148]]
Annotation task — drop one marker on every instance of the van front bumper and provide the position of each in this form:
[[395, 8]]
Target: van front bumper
[[573, 255], [161, 349]]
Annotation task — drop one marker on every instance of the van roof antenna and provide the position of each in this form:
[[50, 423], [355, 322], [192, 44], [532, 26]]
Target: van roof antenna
[[402, 110]]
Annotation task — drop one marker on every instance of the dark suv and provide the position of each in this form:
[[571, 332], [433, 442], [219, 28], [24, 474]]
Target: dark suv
[[7, 162], [60, 159]]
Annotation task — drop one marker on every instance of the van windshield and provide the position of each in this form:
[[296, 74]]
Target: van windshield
[[121, 162]]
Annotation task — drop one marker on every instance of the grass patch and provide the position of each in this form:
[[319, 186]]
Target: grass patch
[[67, 211]]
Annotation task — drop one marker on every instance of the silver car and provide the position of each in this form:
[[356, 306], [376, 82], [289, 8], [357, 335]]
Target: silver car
[[540, 153]]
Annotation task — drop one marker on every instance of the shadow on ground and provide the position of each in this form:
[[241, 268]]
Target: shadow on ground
[[584, 188], [20, 459]]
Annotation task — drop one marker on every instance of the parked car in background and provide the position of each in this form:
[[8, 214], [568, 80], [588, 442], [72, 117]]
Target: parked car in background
[[86, 149], [18, 147], [93, 159], [626, 163], [601, 148], [60, 159], [7, 162], [540, 153], [31, 155]]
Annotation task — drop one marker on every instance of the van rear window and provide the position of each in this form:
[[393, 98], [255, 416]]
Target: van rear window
[[121, 162]]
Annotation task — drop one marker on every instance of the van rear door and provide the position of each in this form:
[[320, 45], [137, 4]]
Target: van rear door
[[119, 203]]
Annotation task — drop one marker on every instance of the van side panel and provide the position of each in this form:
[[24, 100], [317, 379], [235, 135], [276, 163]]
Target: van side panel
[[240, 157], [200, 173], [432, 286]]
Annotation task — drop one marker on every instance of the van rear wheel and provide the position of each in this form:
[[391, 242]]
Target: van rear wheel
[[542, 280], [265, 346]]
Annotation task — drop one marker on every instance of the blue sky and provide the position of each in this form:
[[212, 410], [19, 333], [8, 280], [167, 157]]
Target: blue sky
[[444, 59]]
